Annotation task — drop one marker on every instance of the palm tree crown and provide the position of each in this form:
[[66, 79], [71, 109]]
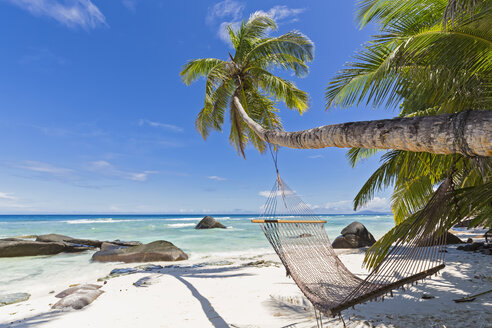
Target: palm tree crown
[[247, 75]]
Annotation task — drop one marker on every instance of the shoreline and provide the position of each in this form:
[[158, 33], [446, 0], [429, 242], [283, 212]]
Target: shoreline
[[249, 291]]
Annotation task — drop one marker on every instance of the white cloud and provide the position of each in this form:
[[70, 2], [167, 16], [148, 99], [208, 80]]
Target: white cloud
[[316, 156], [378, 204], [7, 196], [268, 193], [228, 8], [216, 178], [230, 12], [46, 168], [154, 124], [9, 202], [108, 169], [338, 206], [72, 13], [281, 13], [223, 33], [130, 5]]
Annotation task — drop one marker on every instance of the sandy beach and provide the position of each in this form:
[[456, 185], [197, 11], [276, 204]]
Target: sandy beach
[[248, 291]]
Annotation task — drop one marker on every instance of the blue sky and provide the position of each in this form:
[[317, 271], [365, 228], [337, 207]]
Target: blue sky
[[95, 119]]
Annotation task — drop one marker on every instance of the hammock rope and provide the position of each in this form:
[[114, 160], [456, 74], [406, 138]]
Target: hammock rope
[[299, 238]]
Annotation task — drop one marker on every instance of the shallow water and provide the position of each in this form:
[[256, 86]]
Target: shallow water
[[29, 274]]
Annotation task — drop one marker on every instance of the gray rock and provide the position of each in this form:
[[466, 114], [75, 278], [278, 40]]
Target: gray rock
[[209, 222], [354, 235], [75, 289], [19, 247], [13, 298], [159, 250], [108, 246], [125, 243], [450, 240], [53, 237], [78, 299], [51, 244]]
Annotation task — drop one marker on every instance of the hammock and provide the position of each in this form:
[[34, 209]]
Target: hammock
[[300, 240]]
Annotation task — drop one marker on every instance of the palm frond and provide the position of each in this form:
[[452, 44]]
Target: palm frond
[[197, 68], [281, 89], [355, 155], [383, 177], [292, 43]]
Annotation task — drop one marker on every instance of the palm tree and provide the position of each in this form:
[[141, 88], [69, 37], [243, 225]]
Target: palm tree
[[247, 76], [434, 58], [244, 84], [468, 133]]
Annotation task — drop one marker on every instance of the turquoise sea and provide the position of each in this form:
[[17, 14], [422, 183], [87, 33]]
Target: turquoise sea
[[240, 237]]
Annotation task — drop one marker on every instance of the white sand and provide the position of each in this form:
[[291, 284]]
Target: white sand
[[228, 294]]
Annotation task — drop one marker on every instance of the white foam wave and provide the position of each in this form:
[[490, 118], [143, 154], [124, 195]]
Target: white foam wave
[[180, 225], [185, 219], [225, 218], [98, 220]]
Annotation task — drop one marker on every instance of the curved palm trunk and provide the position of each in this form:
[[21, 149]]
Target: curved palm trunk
[[468, 133]]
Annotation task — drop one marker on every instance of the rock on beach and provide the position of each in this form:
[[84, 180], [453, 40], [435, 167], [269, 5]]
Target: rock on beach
[[209, 222], [354, 235], [159, 250]]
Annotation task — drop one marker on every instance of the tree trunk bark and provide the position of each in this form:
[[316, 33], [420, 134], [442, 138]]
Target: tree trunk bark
[[468, 133]]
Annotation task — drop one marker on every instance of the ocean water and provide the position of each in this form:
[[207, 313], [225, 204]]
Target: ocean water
[[31, 274]]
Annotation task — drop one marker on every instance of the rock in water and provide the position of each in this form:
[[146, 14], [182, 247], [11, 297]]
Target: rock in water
[[53, 237], [159, 250], [354, 235], [209, 222], [14, 248], [13, 298]]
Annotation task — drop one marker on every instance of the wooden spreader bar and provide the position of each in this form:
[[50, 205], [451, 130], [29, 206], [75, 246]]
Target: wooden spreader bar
[[288, 221]]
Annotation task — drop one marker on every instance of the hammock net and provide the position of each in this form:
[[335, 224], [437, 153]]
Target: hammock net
[[299, 238]]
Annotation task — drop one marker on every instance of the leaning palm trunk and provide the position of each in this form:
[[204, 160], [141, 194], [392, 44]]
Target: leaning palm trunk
[[468, 133]]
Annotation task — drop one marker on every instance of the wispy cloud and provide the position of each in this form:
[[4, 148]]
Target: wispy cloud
[[72, 13], [171, 127], [228, 9], [282, 13], [7, 196], [46, 168], [37, 56], [216, 178], [130, 5], [108, 169], [9, 202], [223, 14], [316, 156], [230, 12]]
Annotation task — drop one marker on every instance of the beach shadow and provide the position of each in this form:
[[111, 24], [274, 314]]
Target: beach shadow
[[206, 273], [215, 319], [33, 321]]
